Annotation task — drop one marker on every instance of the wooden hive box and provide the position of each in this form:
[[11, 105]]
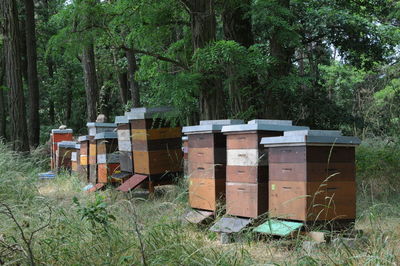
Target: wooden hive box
[[124, 144], [207, 163], [63, 155], [156, 146], [247, 165], [312, 176], [107, 155], [75, 155], [185, 150], [56, 136], [84, 156]]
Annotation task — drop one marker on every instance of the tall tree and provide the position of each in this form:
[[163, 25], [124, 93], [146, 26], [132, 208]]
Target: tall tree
[[33, 83], [13, 75], [133, 84], [91, 86], [2, 98]]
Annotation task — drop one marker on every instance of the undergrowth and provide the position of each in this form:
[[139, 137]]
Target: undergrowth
[[54, 222]]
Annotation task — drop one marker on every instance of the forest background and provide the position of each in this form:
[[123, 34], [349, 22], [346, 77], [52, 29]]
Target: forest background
[[327, 64]]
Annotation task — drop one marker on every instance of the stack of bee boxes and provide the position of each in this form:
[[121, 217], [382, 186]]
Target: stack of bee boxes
[[156, 146], [63, 154], [84, 168], [312, 176], [56, 136], [207, 163], [107, 155], [247, 165], [124, 145], [95, 128], [75, 162]]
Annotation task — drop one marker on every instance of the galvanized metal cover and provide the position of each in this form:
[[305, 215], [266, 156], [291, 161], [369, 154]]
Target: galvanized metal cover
[[95, 124], [221, 122], [145, 112], [230, 225], [321, 133], [271, 122], [106, 135], [209, 127], [83, 138], [67, 144], [307, 140], [61, 131], [261, 127], [121, 120], [278, 227]]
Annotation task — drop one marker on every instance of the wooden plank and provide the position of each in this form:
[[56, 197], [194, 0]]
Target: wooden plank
[[246, 199], [132, 183], [246, 174], [204, 193], [154, 134]]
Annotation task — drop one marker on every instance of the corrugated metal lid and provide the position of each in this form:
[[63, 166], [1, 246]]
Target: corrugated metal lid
[[209, 127], [106, 135], [261, 127], [271, 122], [121, 120]]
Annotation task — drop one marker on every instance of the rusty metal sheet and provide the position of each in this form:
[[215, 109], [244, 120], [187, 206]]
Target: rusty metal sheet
[[132, 183], [230, 225]]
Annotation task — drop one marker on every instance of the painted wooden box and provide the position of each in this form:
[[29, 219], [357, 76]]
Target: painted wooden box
[[107, 155], [312, 176], [84, 157], [56, 136], [207, 163], [124, 144], [63, 155]]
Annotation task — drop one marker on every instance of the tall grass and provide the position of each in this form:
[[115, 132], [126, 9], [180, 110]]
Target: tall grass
[[111, 228]]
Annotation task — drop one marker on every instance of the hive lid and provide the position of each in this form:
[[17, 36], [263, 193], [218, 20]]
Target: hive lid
[[67, 144], [78, 146], [320, 139], [209, 127], [106, 135], [325, 133], [95, 124], [61, 131], [83, 138], [230, 224], [271, 122], [147, 112], [261, 127], [121, 120], [185, 138], [278, 227]]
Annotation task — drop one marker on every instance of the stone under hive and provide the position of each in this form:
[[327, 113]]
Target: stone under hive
[[107, 156], [93, 129], [207, 163], [247, 165], [312, 176], [63, 155], [56, 136]]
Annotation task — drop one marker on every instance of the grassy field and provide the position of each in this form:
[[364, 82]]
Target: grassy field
[[53, 222]]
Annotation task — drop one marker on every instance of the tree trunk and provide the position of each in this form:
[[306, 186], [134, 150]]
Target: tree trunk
[[68, 99], [13, 75], [2, 99], [203, 26], [33, 83], [50, 70], [91, 87], [133, 84], [122, 80]]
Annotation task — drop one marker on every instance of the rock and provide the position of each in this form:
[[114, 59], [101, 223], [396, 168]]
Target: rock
[[101, 118], [63, 127]]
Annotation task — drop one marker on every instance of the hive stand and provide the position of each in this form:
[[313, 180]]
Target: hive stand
[[75, 162], [156, 148], [63, 155], [107, 156], [84, 157], [56, 136], [125, 149], [247, 165], [206, 167], [93, 129], [312, 177]]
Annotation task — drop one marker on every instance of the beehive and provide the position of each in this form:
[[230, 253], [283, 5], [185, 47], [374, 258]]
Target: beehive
[[93, 129], [84, 157], [247, 165], [156, 146], [312, 176], [124, 144], [207, 163], [75, 159], [63, 155], [107, 155], [56, 136]]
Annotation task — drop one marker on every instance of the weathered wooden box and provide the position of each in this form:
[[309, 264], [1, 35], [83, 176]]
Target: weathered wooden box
[[63, 155], [56, 136], [84, 157], [107, 155], [312, 176], [124, 144], [204, 193]]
